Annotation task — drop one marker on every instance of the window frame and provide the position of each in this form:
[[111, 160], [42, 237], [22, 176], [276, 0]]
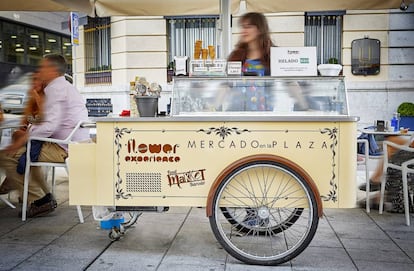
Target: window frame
[[321, 52], [97, 71], [189, 47]]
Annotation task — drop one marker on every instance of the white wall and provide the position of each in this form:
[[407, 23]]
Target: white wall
[[138, 48]]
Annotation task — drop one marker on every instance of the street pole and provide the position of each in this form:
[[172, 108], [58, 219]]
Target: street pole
[[225, 18]]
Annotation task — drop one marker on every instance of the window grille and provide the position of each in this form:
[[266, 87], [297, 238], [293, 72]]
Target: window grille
[[184, 31], [325, 33], [97, 36]]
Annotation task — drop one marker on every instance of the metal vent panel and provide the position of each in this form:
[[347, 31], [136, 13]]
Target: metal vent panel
[[143, 182]]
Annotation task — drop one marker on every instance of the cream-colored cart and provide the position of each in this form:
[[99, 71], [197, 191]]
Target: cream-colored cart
[[264, 155]]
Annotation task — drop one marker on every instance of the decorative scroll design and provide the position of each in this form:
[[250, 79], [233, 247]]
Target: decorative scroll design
[[223, 132], [332, 133], [119, 192]]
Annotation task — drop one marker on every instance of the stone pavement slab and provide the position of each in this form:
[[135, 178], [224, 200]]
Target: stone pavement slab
[[181, 239]]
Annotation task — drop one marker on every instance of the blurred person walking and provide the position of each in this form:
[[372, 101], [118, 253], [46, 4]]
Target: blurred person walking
[[63, 109], [33, 113]]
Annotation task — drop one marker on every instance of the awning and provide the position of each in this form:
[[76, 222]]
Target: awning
[[84, 6], [269, 6], [104, 8], [160, 7]]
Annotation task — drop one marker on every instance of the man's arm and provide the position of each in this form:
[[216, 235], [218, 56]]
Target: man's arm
[[52, 113]]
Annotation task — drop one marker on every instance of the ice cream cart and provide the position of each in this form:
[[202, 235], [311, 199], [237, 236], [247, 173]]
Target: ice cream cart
[[263, 155]]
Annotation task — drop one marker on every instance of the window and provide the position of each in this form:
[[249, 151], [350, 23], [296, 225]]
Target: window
[[98, 50], [184, 31], [14, 43], [67, 52], [325, 32], [35, 41], [22, 47]]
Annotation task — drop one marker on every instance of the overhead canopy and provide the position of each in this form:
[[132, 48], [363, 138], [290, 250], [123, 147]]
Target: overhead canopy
[[104, 8], [160, 7], [269, 6], [85, 6]]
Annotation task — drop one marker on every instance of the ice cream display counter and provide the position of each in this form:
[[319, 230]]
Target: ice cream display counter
[[264, 155]]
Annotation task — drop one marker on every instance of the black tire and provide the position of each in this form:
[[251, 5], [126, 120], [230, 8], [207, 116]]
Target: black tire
[[291, 218], [272, 243]]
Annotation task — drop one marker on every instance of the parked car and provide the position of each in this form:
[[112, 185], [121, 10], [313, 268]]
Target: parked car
[[13, 98]]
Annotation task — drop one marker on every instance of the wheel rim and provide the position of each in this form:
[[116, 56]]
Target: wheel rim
[[272, 203]]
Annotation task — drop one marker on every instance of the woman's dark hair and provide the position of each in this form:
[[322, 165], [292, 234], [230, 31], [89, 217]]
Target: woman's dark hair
[[58, 61], [265, 42]]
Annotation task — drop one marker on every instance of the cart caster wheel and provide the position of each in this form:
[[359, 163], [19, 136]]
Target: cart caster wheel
[[115, 234]]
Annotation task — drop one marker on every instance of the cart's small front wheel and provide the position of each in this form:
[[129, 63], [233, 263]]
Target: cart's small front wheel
[[115, 234], [264, 212]]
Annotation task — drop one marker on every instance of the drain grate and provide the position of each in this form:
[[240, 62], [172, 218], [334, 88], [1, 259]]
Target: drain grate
[[143, 182]]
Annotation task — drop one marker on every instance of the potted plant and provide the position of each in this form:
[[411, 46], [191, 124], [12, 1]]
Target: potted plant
[[406, 111], [330, 69]]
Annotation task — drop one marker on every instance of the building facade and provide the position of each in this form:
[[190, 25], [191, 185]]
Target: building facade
[[113, 51], [139, 47]]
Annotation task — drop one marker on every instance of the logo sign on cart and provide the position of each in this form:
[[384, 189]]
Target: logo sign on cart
[[293, 61], [74, 28]]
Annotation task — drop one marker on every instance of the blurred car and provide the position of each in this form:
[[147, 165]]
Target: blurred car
[[13, 98]]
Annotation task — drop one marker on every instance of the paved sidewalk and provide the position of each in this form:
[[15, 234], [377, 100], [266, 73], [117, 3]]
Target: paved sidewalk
[[181, 239]]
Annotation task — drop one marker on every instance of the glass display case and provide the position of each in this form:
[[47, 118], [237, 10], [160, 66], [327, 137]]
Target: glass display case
[[275, 96]]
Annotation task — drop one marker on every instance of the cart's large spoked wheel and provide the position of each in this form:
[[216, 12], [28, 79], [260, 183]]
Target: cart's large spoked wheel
[[264, 213]]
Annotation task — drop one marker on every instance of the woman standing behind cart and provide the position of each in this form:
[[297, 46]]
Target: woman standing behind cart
[[253, 48]]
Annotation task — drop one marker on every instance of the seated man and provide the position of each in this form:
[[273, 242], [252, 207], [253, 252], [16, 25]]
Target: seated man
[[63, 109]]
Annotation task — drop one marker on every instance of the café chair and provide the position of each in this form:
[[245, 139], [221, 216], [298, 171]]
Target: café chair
[[2, 197], [30, 163], [406, 168], [365, 163]]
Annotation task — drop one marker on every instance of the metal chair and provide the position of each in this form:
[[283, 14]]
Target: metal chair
[[365, 163], [29, 164], [404, 168], [6, 200], [405, 171], [2, 198]]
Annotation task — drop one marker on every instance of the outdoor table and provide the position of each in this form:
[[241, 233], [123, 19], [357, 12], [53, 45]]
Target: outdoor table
[[386, 133], [239, 147]]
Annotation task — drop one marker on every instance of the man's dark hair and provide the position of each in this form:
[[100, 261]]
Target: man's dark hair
[[58, 61]]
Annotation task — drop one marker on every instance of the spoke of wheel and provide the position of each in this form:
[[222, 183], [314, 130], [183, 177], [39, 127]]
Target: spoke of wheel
[[284, 237], [245, 188], [251, 185], [278, 189], [238, 190], [293, 202], [228, 199], [260, 186], [271, 184]]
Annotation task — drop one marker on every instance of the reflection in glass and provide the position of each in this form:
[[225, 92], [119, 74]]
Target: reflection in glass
[[67, 52], [13, 44], [34, 46], [52, 44]]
